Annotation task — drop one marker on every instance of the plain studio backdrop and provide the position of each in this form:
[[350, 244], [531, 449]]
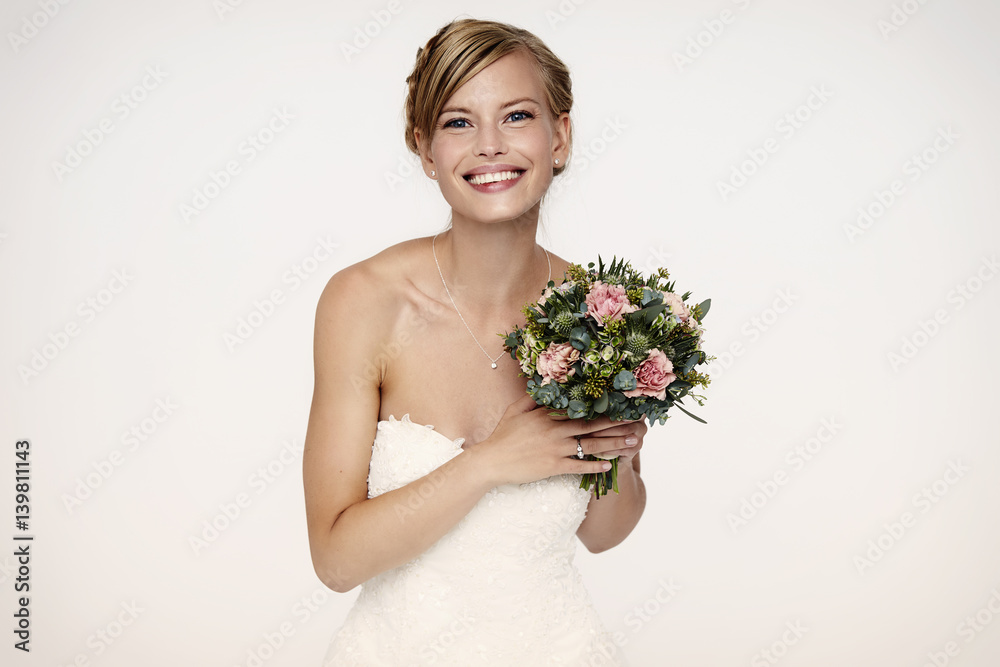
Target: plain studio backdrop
[[181, 179]]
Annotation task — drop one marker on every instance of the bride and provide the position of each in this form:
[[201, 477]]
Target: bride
[[432, 479]]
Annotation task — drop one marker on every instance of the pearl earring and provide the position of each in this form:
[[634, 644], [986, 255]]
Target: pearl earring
[[557, 161], [432, 174]]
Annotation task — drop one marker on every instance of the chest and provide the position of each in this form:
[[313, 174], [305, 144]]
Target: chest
[[434, 369]]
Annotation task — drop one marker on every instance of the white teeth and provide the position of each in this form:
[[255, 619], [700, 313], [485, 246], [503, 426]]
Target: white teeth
[[480, 179]]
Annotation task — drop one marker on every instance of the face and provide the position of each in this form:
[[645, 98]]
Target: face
[[495, 143]]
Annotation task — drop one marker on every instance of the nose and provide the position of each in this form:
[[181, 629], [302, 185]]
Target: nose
[[490, 141]]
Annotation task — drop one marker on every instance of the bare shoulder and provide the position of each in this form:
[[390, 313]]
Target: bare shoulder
[[371, 287], [362, 303], [381, 269]]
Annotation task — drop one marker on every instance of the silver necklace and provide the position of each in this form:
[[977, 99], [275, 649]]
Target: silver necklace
[[434, 250]]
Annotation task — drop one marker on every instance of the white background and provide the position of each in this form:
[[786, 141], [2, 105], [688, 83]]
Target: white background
[[806, 312]]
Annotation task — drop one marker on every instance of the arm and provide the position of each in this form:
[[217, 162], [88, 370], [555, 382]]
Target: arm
[[353, 538], [611, 518]]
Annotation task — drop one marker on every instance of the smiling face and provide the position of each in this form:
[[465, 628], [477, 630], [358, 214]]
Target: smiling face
[[495, 143]]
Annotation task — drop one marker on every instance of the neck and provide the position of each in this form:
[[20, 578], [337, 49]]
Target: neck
[[492, 268]]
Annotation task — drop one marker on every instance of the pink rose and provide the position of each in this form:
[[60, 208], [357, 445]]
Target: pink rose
[[607, 302], [652, 376], [554, 362], [677, 306]]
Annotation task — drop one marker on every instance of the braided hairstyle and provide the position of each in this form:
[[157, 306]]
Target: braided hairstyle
[[460, 50]]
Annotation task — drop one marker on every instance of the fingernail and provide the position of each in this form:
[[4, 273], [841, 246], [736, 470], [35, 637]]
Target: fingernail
[[606, 466], [631, 440]]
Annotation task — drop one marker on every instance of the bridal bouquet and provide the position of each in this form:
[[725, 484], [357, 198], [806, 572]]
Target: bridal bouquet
[[611, 342]]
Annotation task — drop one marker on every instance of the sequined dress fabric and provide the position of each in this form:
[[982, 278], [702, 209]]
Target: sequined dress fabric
[[500, 588]]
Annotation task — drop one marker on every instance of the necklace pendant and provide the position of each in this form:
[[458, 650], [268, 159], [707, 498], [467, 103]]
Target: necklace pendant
[[494, 364]]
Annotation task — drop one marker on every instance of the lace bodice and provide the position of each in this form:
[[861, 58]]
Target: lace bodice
[[500, 588]]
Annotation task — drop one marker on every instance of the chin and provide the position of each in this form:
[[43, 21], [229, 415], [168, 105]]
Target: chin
[[498, 213], [497, 217]]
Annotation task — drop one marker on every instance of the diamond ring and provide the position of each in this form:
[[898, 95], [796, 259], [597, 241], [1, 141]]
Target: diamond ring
[[579, 448]]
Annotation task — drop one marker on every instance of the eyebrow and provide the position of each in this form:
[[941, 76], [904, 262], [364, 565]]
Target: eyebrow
[[507, 104]]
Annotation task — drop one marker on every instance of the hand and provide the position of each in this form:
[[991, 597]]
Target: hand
[[612, 441], [528, 444]]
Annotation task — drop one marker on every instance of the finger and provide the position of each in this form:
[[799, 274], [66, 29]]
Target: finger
[[617, 429], [613, 446], [590, 467], [606, 422], [607, 447]]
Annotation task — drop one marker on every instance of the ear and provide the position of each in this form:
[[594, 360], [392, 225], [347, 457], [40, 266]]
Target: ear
[[560, 137], [425, 154]]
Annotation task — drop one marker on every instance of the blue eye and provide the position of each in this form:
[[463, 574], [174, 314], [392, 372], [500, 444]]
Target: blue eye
[[513, 116]]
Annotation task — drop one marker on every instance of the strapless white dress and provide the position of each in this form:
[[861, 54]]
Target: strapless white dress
[[500, 588]]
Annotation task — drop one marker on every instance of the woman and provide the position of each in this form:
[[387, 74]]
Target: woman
[[430, 476]]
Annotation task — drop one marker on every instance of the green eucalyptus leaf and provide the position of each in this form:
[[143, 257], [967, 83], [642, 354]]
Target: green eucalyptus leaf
[[690, 362], [693, 416], [576, 409]]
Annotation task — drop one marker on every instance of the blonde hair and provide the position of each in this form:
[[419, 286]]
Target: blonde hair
[[462, 49]]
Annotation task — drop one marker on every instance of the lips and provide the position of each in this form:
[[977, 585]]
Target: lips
[[490, 168], [494, 176]]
